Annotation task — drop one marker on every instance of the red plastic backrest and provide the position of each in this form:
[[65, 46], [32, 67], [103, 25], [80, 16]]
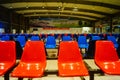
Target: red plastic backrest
[[34, 51], [69, 51], [7, 51], [105, 51]]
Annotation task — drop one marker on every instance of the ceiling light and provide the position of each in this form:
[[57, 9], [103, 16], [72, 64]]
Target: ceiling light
[[10, 7], [59, 7], [75, 9], [27, 6], [43, 7]]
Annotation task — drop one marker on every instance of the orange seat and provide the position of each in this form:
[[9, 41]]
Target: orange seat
[[7, 56], [106, 57], [70, 61], [33, 61]]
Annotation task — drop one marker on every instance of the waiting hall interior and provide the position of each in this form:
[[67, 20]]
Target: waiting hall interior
[[59, 39]]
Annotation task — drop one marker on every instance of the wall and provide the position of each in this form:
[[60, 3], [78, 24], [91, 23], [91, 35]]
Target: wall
[[60, 31]]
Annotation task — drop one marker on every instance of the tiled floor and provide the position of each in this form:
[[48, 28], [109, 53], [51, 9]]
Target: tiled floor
[[52, 65]]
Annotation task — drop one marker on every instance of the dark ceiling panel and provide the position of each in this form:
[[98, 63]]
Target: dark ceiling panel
[[84, 2], [66, 1]]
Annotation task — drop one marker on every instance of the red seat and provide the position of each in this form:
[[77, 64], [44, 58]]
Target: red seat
[[7, 56], [106, 57], [70, 61], [33, 61]]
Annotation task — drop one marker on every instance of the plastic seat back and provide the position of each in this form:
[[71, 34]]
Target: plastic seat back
[[112, 38], [50, 42], [34, 51], [66, 38], [7, 51], [69, 52], [105, 51], [96, 38], [35, 38], [5, 38], [21, 40], [82, 40]]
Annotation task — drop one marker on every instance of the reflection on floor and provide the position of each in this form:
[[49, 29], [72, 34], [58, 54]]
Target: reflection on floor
[[51, 67]]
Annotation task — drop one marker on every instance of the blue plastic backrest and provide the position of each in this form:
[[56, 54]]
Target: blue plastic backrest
[[5, 38], [96, 38], [82, 40], [21, 40], [112, 38], [66, 38], [34, 38], [50, 40]]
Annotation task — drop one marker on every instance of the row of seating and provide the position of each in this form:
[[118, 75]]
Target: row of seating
[[51, 41], [70, 62], [60, 35]]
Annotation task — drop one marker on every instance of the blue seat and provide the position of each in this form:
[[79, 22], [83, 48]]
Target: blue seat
[[22, 40], [113, 39], [35, 38], [5, 38], [50, 42], [95, 38], [66, 38], [82, 42]]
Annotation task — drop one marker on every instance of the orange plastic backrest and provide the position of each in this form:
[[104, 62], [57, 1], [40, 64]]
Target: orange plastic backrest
[[34, 51], [105, 51], [7, 51], [69, 51]]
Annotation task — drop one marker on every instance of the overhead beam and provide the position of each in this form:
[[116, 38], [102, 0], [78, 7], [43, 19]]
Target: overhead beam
[[64, 15], [32, 13], [64, 12], [55, 8]]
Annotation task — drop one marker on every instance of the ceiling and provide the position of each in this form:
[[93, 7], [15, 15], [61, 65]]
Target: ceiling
[[75, 9]]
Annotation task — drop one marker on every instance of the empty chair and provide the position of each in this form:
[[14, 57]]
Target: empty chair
[[35, 38], [22, 40], [113, 39], [7, 56], [70, 61], [33, 61], [95, 38], [66, 38], [106, 57], [50, 42], [82, 42], [5, 38]]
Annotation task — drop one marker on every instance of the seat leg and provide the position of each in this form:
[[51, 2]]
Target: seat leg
[[82, 78], [20, 78], [30, 78], [91, 75], [6, 76]]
